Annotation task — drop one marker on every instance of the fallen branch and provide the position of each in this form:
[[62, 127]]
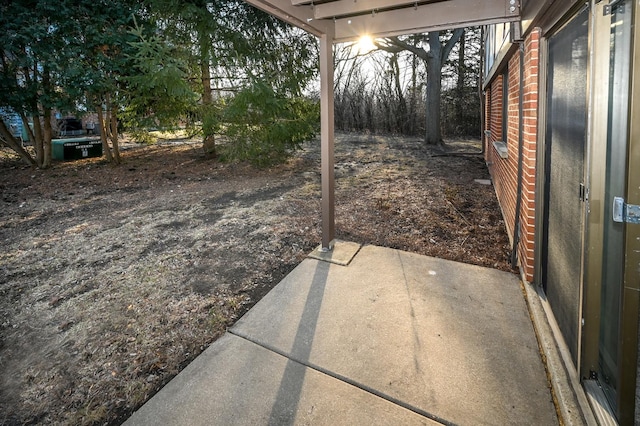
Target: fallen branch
[[458, 211]]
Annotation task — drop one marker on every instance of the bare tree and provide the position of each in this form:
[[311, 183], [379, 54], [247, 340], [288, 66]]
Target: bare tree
[[423, 84], [439, 49]]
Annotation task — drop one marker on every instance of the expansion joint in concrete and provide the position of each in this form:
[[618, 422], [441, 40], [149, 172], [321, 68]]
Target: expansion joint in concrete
[[346, 380]]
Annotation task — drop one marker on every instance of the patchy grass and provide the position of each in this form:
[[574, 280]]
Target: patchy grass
[[112, 279]]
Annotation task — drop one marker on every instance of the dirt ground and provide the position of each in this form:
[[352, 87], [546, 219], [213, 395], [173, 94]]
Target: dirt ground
[[112, 279]]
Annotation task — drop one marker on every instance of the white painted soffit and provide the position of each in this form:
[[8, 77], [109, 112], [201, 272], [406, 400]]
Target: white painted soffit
[[351, 19]]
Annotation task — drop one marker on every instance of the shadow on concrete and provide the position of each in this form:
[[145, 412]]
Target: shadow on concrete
[[288, 397], [391, 338]]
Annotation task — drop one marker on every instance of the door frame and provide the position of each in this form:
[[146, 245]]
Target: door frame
[[597, 149], [631, 291], [598, 94], [596, 177]]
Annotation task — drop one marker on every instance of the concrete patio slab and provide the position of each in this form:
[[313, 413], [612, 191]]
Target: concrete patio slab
[[449, 339], [236, 382], [392, 338], [341, 254]]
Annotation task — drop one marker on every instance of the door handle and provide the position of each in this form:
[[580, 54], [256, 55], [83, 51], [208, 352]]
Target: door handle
[[618, 209], [625, 213]]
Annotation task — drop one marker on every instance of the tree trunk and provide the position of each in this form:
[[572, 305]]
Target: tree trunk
[[459, 102], [103, 134], [27, 128], [9, 140], [401, 107], [209, 146], [113, 133], [436, 57], [45, 132], [38, 142], [433, 133], [414, 95], [209, 141], [47, 135], [108, 121]]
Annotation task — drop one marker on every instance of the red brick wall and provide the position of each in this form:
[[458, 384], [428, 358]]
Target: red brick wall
[[530, 142], [494, 109], [504, 171]]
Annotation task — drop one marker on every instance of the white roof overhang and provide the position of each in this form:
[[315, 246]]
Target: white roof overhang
[[347, 20]]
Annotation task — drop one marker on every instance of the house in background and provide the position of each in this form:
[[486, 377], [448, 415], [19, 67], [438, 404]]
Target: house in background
[[14, 124], [562, 142]]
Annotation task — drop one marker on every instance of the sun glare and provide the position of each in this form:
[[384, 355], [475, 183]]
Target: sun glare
[[365, 44]]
